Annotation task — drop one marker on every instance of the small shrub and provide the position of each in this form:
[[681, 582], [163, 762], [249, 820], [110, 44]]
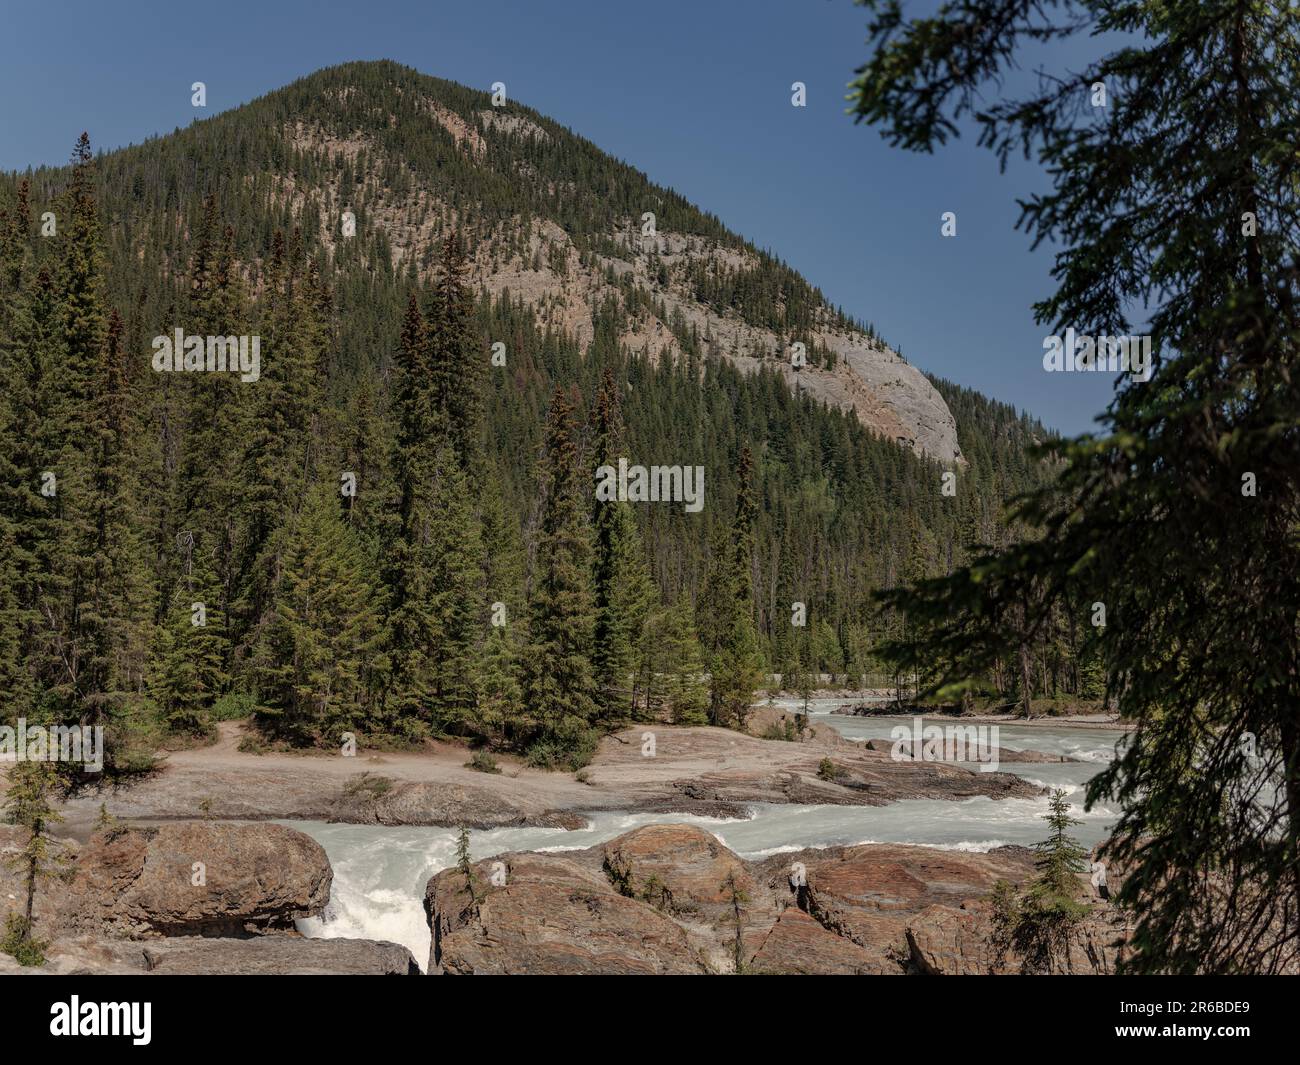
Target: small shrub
[[19, 943], [366, 786], [571, 752], [619, 873], [828, 770], [233, 706], [253, 743], [482, 762]]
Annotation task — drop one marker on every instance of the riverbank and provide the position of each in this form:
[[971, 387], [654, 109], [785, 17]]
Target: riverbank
[[377, 815], [653, 768]]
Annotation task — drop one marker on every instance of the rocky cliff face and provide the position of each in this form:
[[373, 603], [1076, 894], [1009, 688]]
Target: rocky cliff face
[[671, 898]]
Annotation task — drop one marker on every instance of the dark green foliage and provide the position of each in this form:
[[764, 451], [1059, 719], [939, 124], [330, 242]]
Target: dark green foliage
[[18, 942], [1174, 212], [28, 805], [623, 590], [312, 665], [184, 488], [560, 685], [465, 864], [736, 669]]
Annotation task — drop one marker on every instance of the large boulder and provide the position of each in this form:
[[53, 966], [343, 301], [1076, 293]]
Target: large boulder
[[196, 878], [538, 913], [681, 868], [798, 946]]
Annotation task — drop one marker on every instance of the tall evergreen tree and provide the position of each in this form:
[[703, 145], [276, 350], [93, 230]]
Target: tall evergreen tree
[[622, 587], [456, 364], [28, 805], [311, 664], [1177, 201], [559, 688], [737, 663]]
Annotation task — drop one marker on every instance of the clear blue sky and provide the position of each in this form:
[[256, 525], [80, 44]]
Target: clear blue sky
[[696, 94]]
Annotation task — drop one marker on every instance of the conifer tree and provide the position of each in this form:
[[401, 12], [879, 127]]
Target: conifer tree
[[503, 549], [675, 664], [409, 623], [310, 666], [559, 688], [453, 553], [27, 805], [1174, 209], [737, 663], [499, 710], [180, 680], [82, 608], [1039, 923], [217, 418], [282, 459], [622, 586], [465, 863], [456, 364]]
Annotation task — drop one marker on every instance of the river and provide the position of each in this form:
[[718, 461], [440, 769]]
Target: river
[[380, 872]]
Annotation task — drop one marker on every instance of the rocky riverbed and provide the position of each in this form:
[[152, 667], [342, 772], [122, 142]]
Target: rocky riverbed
[[672, 899], [193, 878], [204, 897]]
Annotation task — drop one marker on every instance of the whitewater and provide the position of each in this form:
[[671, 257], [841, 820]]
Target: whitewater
[[380, 872]]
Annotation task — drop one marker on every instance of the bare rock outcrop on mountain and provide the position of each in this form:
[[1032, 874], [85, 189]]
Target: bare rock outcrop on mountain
[[566, 272], [671, 898]]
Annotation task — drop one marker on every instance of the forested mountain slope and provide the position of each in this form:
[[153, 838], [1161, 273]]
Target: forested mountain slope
[[392, 527]]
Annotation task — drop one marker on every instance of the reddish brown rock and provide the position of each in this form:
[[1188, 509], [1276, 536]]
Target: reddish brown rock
[[797, 945], [679, 867], [548, 915], [196, 878], [653, 900]]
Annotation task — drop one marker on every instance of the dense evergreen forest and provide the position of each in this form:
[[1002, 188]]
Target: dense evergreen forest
[[389, 532]]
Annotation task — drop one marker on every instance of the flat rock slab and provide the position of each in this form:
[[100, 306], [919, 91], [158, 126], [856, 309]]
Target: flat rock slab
[[281, 955]]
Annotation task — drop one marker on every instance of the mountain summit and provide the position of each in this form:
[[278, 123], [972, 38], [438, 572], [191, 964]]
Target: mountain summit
[[383, 156]]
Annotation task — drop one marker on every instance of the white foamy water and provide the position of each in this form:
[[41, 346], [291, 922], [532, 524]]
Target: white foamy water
[[380, 873]]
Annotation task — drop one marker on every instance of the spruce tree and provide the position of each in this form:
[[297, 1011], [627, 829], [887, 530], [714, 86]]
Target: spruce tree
[[282, 459], [456, 363], [737, 663], [453, 554], [675, 664], [310, 665], [28, 806], [559, 685], [622, 586], [409, 621]]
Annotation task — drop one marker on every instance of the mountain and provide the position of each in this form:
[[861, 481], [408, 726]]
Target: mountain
[[554, 222], [394, 526]]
